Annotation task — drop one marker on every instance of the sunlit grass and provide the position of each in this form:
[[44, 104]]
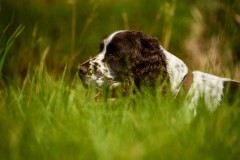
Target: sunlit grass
[[47, 118]]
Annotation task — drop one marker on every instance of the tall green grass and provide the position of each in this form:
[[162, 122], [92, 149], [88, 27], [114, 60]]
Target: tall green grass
[[47, 118], [4, 51]]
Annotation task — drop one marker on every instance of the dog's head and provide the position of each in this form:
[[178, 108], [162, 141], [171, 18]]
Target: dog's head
[[125, 56]]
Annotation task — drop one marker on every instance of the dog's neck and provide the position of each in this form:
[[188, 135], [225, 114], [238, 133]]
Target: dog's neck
[[177, 71]]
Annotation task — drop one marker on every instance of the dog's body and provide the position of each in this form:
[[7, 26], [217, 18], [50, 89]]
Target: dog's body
[[201, 85], [132, 55]]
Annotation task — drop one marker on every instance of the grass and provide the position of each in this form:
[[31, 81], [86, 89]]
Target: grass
[[47, 118], [4, 51]]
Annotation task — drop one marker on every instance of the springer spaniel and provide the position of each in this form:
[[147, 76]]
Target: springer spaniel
[[129, 55]]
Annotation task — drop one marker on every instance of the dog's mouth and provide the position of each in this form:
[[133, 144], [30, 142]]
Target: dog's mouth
[[99, 82], [84, 81]]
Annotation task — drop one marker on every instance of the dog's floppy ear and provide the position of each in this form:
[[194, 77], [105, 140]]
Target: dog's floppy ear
[[147, 60]]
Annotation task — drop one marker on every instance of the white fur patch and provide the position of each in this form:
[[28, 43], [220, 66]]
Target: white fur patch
[[206, 87], [177, 70]]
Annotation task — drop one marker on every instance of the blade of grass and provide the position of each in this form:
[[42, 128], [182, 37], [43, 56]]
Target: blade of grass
[[167, 29], [8, 45]]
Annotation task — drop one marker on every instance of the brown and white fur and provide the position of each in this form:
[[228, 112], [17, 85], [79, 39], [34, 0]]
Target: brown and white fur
[[129, 54]]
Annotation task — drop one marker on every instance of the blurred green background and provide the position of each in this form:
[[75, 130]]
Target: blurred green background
[[206, 34]]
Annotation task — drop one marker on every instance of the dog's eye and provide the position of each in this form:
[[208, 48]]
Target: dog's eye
[[101, 46], [113, 55]]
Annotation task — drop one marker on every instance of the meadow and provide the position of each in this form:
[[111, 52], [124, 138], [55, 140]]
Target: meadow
[[46, 113]]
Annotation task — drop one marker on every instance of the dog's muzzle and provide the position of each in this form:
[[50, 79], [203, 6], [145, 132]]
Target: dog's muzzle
[[93, 72]]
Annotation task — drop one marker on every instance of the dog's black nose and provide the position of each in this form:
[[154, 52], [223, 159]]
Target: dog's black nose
[[83, 70]]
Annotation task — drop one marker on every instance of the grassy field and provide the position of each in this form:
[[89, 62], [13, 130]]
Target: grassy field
[[47, 118], [46, 113]]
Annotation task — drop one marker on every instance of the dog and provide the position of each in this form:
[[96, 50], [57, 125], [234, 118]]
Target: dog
[[134, 55]]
